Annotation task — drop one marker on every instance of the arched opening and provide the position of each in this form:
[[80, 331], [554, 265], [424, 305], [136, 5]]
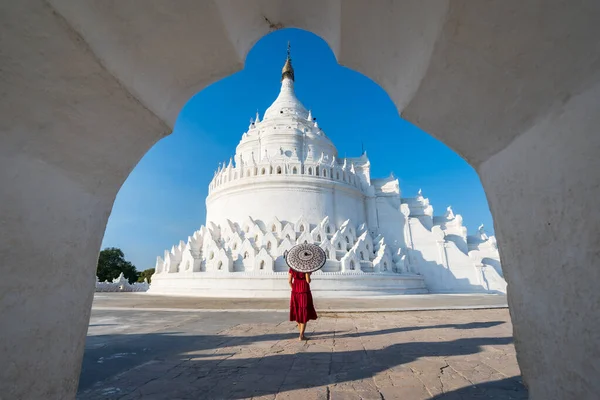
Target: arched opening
[[268, 245], [430, 88], [220, 265], [273, 228], [328, 229], [319, 238], [352, 265], [246, 255], [362, 256], [323, 168], [262, 264]]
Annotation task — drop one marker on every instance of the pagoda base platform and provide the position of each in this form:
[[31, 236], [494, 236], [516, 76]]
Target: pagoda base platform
[[275, 285]]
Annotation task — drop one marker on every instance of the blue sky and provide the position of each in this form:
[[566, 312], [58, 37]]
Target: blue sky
[[162, 201]]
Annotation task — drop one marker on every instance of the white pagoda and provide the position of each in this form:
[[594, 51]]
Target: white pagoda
[[286, 185]]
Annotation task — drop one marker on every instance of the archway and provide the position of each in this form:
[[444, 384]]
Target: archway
[[64, 166]]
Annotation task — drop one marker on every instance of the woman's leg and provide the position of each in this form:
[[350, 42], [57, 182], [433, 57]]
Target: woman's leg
[[302, 328]]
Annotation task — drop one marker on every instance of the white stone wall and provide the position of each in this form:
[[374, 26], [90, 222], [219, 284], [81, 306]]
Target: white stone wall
[[289, 197], [121, 284], [246, 259], [434, 249], [450, 261], [259, 246]]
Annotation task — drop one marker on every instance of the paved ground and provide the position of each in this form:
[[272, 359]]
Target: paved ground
[[459, 354], [143, 301]]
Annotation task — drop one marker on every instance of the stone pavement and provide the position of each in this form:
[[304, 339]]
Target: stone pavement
[[459, 354], [143, 301]]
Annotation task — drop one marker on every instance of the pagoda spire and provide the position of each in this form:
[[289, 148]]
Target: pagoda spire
[[288, 70]]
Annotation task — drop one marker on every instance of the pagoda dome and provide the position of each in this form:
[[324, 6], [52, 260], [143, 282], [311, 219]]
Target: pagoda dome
[[286, 104], [285, 126]]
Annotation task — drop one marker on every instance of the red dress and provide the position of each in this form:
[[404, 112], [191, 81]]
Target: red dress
[[301, 301]]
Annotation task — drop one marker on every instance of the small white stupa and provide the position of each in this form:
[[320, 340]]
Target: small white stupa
[[287, 185]]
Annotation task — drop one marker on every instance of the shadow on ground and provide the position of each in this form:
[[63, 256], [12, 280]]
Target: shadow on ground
[[506, 389], [175, 365]]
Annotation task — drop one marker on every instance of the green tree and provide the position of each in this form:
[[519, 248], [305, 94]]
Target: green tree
[[111, 263], [147, 273]]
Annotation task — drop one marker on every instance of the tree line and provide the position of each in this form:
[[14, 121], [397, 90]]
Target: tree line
[[111, 262]]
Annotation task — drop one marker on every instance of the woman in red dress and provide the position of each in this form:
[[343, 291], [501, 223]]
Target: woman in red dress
[[301, 303]]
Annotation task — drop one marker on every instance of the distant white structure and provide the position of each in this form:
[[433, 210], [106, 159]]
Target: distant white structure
[[287, 185], [121, 284]]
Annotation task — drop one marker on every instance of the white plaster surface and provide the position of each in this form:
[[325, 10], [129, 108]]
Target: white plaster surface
[[510, 85], [559, 244], [63, 117]]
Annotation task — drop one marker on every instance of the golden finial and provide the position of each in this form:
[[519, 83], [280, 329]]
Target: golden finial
[[288, 70]]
